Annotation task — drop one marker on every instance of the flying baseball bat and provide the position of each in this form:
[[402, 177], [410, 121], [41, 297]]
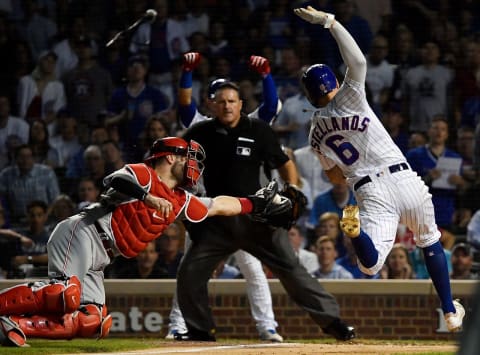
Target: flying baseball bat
[[148, 16]]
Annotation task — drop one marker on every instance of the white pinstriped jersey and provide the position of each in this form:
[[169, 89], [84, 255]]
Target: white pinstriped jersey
[[349, 133]]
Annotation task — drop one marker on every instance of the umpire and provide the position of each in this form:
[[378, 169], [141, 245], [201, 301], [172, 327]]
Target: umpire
[[236, 147]]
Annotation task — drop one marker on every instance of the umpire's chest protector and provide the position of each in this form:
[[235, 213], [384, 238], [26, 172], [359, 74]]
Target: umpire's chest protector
[[134, 224]]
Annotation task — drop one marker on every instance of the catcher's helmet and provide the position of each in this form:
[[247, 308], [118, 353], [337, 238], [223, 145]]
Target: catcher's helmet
[[318, 80], [213, 87], [178, 146]]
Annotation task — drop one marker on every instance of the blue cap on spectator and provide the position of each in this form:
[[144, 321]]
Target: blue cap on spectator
[[138, 58], [465, 248]]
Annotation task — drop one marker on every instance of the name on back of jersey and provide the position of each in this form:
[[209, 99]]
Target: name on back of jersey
[[326, 125]]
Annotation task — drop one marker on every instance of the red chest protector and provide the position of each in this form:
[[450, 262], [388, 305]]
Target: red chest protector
[[134, 225]]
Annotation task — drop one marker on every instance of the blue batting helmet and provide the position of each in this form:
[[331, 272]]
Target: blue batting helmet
[[213, 87], [318, 80]]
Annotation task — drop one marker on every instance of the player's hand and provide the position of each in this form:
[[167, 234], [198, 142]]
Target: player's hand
[[191, 60], [311, 15], [164, 207], [259, 64]]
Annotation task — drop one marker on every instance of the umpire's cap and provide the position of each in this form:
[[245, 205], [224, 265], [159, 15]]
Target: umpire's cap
[[318, 80], [214, 85]]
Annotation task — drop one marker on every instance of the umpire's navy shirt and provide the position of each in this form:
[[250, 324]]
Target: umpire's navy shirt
[[234, 155]]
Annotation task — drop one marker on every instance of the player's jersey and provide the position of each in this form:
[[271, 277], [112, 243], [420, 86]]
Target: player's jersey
[[348, 132]]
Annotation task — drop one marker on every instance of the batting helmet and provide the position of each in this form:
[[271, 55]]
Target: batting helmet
[[178, 146], [213, 87], [318, 80]]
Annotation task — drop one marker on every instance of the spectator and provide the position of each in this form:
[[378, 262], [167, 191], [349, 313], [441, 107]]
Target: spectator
[[218, 43], [293, 121], [380, 73], [61, 208], [378, 14], [397, 265], [9, 125], [226, 271], [40, 94], [88, 192], [113, 156], [132, 105], [34, 258], [65, 49], [309, 168], [170, 249], [424, 161], [350, 261], [328, 224], [144, 267], [417, 140], [462, 261], [326, 252], [393, 120], [426, 89], [286, 79], [37, 29], [156, 127], [94, 164], [164, 40], [67, 142], [88, 87], [473, 231], [306, 258], [43, 152], [25, 181]]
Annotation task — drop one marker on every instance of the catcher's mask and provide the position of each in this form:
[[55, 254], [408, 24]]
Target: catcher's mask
[[318, 80], [178, 146]]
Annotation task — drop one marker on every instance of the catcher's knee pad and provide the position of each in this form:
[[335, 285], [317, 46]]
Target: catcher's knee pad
[[56, 296], [87, 322], [11, 334]]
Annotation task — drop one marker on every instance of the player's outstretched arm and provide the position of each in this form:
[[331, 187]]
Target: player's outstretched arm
[[351, 53], [186, 106], [271, 104]]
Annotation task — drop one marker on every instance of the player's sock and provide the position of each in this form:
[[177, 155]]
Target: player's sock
[[437, 268], [365, 249]]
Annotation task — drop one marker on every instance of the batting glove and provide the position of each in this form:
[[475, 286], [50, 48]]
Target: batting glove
[[314, 16], [259, 64], [191, 60]]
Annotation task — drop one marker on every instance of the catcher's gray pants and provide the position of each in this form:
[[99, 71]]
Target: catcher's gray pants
[[216, 238]]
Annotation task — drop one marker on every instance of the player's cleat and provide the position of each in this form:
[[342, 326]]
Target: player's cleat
[[350, 222], [270, 335], [454, 320], [171, 334], [340, 331]]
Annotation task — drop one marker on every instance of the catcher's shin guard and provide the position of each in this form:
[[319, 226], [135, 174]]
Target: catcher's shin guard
[[87, 322], [55, 296], [11, 334]]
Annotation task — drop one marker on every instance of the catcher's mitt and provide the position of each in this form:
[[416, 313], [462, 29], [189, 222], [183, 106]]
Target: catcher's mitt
[[283, 209]]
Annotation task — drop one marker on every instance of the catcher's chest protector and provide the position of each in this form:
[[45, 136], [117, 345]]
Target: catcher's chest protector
[[134, 224]]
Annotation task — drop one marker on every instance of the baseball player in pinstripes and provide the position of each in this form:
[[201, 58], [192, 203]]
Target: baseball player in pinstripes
[[141, 201], [258, 292], [352, 144]]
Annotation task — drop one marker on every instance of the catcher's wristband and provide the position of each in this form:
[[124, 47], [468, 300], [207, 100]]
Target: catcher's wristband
[[329, 21], [247, 205]]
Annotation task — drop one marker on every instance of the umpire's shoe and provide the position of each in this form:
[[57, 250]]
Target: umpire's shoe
[[340, 331], [195, 335]]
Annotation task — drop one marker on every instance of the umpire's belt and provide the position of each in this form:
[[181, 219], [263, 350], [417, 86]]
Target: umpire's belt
[[106, 241], [392, 168]]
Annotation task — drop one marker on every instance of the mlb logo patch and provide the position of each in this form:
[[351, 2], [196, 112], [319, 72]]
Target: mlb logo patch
[[244, 151]]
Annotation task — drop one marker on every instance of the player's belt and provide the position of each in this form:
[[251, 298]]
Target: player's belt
[[107, 243], [392, 168]]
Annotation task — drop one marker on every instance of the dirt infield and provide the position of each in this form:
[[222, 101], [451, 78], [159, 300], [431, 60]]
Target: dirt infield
[[292, 349]]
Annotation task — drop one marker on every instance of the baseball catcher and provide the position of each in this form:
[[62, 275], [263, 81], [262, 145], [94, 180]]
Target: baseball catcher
[[141, 200]]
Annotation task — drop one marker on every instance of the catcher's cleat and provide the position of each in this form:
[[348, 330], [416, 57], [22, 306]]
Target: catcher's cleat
[[11, 334], [340, 331], [454, 320], [350, 222]]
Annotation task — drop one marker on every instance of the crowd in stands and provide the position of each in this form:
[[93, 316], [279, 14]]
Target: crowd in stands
[[72, 110]]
